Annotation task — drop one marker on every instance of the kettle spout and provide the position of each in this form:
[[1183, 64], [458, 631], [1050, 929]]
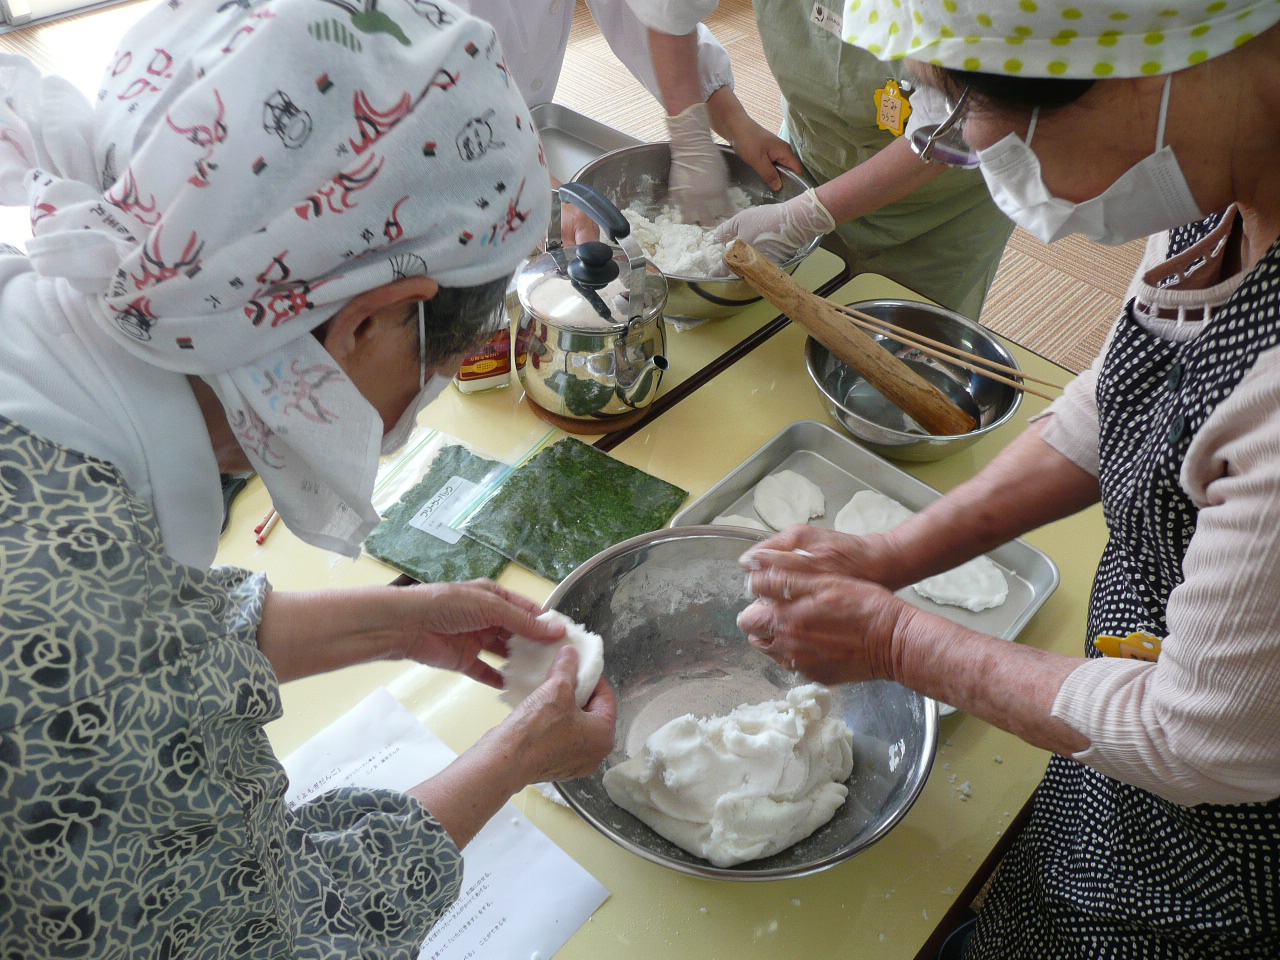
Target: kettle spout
[[637, 379]]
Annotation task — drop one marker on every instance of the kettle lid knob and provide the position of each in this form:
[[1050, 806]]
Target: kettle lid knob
[[594, 266]]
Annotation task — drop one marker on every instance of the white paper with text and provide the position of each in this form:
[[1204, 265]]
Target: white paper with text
[[521, 894]]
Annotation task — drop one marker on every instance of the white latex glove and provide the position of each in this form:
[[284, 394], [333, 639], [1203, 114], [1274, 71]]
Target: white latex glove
[[699, 181], [778, 230]]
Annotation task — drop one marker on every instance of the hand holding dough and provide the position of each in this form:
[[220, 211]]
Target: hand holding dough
[[530, 661]]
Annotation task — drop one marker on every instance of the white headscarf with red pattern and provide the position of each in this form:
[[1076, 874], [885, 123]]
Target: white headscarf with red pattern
[[247, 169]]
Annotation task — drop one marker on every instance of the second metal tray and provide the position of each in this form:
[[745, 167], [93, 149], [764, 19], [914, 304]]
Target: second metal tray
[[841, 468], [570, 139]]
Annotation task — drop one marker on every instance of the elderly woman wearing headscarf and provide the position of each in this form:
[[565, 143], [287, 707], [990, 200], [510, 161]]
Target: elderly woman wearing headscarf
[[264, 246], [1156, 830]]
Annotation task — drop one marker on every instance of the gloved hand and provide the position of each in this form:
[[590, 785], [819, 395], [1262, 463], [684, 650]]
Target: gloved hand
[[778, 230], [699, 181]]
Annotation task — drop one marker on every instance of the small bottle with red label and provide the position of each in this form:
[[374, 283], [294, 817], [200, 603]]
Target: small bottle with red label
[[488, 368]]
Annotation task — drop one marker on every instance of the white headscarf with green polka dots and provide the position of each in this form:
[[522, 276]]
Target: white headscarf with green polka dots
[[1056, 38]]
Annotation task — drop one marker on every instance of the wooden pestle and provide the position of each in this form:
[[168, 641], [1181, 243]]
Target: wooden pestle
[[909, 391]]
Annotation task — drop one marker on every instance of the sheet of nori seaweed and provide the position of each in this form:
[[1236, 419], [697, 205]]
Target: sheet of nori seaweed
[[569, 502], [417, 552]]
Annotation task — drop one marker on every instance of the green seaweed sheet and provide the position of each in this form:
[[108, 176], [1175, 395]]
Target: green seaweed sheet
[[422, 555], [566, 504]]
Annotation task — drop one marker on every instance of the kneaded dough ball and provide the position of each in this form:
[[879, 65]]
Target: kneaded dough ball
[[870, 512], [531, 660], [786, 498]]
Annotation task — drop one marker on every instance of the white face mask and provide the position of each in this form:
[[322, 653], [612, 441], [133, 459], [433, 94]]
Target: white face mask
[[429, 387], [398, 436], [1150, 196]]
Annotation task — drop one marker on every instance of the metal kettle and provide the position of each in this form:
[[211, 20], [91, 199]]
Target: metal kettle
[[590, 326]]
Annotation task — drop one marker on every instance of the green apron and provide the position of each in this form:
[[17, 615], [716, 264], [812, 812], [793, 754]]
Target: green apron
[[945, 239]]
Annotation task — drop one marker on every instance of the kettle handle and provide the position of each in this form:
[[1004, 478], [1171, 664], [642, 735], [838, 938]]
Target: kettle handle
[[595, 205], [605, 213]]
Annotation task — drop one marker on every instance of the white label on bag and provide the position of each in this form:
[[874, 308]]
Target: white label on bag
[[828, 19], [436, 514]]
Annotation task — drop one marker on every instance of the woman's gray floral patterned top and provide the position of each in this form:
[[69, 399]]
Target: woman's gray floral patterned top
[[142, 810]]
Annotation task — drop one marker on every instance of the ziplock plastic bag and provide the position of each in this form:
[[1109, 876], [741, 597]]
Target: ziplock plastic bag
[[564, 502], [436, 478]]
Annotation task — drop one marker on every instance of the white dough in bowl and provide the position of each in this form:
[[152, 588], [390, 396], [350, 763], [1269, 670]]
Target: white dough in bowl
[[741, 786], [737, 520], [976, 585], [870, 512], [786, 497], [530, 661]]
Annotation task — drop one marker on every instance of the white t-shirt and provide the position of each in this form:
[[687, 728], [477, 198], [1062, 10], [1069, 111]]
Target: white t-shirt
[[535, 33]]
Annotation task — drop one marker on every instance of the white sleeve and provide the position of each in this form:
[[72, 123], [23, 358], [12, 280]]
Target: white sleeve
[[534, 35], [628, 38], [1072, 427], [676, 17], [1199, 725]]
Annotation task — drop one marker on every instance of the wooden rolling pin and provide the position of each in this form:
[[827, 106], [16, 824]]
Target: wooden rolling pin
[[905, 388]]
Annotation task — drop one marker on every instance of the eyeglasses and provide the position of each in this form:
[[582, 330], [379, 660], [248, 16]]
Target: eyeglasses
[[944, 142], [422, 344]]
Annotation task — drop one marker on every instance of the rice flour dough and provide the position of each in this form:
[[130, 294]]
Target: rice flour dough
[[530, 661], [976, 585], [870, 512], [677, 248], [742, 786], [737, 520], [787, 497]]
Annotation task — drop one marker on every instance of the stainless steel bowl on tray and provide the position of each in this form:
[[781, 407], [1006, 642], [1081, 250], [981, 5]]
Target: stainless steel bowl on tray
[[638, 175], [666, 604], [879, 425]]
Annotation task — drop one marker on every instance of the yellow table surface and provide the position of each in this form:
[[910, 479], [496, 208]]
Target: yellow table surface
[[885, 902]]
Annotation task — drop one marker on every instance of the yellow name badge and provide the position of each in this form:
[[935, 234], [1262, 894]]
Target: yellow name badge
[[892, 108], [1136, 646]]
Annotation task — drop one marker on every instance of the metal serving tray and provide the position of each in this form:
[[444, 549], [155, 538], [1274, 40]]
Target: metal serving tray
[[570, 139], [842, 468]]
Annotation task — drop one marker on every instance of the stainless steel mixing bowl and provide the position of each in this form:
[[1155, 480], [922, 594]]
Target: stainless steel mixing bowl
[[879, 425], [666, 605], [638, 175]]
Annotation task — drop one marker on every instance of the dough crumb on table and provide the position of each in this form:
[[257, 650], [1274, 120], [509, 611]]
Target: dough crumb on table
[[742, 786]]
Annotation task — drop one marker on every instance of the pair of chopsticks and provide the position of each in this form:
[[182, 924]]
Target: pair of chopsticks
[[990, 369], [264, 527]]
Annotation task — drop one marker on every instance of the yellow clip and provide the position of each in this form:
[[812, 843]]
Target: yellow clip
[[1136, 646], [892, 108]]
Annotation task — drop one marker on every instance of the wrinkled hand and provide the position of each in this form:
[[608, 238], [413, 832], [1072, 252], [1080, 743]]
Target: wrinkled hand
[[832, 629], [778, 230], [451, 624], [549, 737], [813, 550], [699, 180]]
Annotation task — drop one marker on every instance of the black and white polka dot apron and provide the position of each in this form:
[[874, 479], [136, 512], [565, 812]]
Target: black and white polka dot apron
[[1104, 869]]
